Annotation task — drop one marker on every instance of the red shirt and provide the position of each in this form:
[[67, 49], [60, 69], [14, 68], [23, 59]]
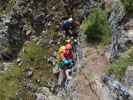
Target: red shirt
[[68, 54]]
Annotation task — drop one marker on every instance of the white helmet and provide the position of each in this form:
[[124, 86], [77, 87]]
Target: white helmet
[[70, 19]]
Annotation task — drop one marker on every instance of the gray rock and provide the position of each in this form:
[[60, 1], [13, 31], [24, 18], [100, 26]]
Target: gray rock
[[116, 15], [45, 91], [2, 67], [44, 94], [129, 76], [34, 38], [29, 73], [29, 86], [40, 96], [19, 60], [39, 19], [3, 32], [128, 80], [28, 33], [52, 60]]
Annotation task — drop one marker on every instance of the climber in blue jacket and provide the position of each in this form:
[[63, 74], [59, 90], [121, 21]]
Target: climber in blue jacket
[[66, 26]]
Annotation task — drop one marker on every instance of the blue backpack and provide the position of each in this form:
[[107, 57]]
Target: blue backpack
[[66, 62]]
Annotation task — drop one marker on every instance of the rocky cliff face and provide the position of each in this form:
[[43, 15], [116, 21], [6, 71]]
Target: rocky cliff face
[[116, 15], [30, 18], [118, 21], [39, 20], [3, 34]]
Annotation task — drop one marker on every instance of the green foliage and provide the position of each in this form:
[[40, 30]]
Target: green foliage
[[33, 53], [96, 27], [128, 5], [9, 83], [6, 6], [119, 67], [35, 56], [54, 35]]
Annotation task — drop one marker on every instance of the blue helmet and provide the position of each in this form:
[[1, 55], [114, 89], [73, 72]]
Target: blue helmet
[[66, 62]]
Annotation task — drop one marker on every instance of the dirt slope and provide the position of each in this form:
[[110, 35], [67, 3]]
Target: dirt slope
[[88, 82]]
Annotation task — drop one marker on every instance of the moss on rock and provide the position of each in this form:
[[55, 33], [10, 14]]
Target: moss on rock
[[9, 82], [119, 67], [34, 56]]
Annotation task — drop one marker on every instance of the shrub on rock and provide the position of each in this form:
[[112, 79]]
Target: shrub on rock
[[128, 5], [96, 27]]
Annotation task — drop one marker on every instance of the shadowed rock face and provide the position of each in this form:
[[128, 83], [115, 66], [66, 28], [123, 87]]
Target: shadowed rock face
[[3, 33], [33, 17], [12, 38]]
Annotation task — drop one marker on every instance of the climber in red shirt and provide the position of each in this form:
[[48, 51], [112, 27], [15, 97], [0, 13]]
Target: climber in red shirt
[[68, 51]]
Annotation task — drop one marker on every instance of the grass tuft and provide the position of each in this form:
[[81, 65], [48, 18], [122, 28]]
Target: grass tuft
[[119, 67]]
